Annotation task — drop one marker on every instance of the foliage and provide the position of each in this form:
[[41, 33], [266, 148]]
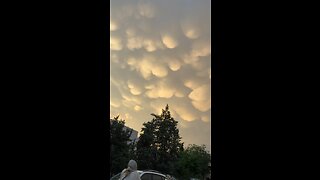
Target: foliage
[[119, 149], [159, 143], [193, 162], [159, 148]]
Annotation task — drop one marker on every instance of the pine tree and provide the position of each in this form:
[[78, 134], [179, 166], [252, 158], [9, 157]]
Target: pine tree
[[160, 142], [145, 147], [119, 149]]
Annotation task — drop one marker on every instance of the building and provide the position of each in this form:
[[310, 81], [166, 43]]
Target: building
[[134, 135]]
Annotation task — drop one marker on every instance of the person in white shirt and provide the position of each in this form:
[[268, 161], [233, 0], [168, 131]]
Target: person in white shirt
[[131, 172]]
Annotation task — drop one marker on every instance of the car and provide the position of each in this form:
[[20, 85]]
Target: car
[[148, 175]]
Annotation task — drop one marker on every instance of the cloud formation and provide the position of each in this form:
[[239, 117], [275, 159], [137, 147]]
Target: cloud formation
[[115, 43], [169, 41], [161, 54]]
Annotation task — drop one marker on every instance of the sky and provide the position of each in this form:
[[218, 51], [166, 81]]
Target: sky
[[160, 53]]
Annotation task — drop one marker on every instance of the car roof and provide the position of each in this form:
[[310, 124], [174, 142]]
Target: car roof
[[141, 172]]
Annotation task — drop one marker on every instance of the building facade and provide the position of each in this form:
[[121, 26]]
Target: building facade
[[134, 135]]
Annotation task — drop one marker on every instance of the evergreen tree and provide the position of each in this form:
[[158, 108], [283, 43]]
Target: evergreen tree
[[119, 148], [132, 150], [145, 147], [160, 143]]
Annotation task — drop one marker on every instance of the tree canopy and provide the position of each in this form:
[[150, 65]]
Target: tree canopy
[[193, 162], [159, 148], [159, 143], [120, 148]]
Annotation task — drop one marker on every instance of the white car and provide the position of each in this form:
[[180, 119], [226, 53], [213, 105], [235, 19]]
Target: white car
[[148, 175]]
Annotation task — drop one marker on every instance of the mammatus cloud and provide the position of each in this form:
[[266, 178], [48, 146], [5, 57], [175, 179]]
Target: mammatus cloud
[[115, 103], [146, 9], [202, 105], [201, 48], [149, 45], [113, 26], [160, 71], [174, 65], [190, 29], [134, 88], [148, 66], [115, 43], [201, 93], [201, 99], [160, 53], [169, 41], [134, 43], [192, 83], [205, 118], [161, 90], [185, 113], [138, 108]]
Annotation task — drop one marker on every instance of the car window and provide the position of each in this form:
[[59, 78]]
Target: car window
[[146, 176], [157, 177]]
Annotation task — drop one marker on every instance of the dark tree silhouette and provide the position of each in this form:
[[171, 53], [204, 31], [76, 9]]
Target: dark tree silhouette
[[193, 162], [160, 143], [119, 148]]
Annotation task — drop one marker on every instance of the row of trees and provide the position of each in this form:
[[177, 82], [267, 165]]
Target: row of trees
[[159, 148]]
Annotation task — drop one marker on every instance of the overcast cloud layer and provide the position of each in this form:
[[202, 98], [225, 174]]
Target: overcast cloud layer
[[160, 54]]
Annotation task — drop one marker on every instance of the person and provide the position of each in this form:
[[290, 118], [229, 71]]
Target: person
[[131, 172]]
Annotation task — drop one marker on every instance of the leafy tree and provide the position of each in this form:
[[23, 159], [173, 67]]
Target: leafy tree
[[160, 143], [145, 147], [132, 150], [193, 162], [120, 148]]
